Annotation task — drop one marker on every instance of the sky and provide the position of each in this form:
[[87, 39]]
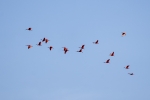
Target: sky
[[41, 74]]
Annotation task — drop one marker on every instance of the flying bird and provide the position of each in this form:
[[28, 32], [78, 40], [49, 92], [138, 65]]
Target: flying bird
[[112, 54], [123, 33], [46, 40], [80, 50], [29, 46], [65, 51], [130, 73], [127, 67], [30, 29], [39, 44], [64, 48], [96, 42], [50, 48], [107, 61], [43, 39], [82, 47]]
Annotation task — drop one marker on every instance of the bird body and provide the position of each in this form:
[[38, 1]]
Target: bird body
[[112, 54], [29, 46], [50, 48], [107, 61], [127, 67], [82, 47], [39, 44], [96, 42], [29, 29], [123, 33], [80, 50], [130, 73]]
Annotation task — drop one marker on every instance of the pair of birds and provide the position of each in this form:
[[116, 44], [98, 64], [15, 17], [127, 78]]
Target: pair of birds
[[127, 67]]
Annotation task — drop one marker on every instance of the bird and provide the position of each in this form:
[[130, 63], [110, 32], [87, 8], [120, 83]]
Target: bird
[[130, 73], [123, 33], [29, 46], [82, 47], [127, 67], [107, 61], [65, 51], [64, 48], [30, 29], [50, 47], [96, 42], [46, 40], [112, 54], [43, 39], [39, 44], [80, 50]]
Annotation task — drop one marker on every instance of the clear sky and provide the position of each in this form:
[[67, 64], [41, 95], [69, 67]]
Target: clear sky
[[41, 74]]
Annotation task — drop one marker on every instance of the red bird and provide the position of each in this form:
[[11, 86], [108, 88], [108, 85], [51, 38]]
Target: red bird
[[107, 61], [127, 67], [130, 73], [82, 47], [80, 50], [30, 29], [123, 33], [29, 46], [50, 47], [96, 42], [43, 39], [46, 40], [39, 44], [66, 51], [112, 54], [64, 48]]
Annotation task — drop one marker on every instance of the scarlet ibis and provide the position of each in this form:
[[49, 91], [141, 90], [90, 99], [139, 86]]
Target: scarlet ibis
[[80, 50], [39, 44], [127, 67], [107, 61], [46, 40], [50, 47], [65, 51], [64, 48], [96, 42], [112, 54], [43, 39], [29, 46], [123, 33], [130, 73], [30, 29], [82, 47]]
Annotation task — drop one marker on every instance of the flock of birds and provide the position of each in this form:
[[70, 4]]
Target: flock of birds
[[81, 48]]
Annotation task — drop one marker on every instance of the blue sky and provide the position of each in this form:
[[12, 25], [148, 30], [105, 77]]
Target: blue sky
[[40, 74]]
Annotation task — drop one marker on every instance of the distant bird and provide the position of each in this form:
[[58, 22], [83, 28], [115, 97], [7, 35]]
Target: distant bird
[[66, 51], [80, 50], [82, 47], [29, 46], [64, 48], [39, 44], [112, 54], [96, 42], [46, 40], [127, 67], [123, 33], [43, 39], [30, 29], [107, 61], [50, 47], [130, 73]]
